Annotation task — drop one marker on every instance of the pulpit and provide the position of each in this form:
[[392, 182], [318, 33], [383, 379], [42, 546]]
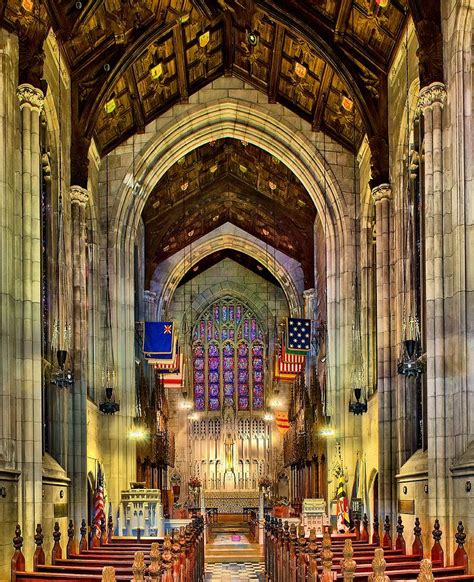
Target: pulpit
[[314, 516], [141, 509]]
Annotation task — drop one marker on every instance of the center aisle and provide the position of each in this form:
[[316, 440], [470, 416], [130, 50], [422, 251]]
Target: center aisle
[[231, 556]]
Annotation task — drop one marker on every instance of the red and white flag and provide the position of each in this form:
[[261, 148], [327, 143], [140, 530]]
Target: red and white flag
[[99, 503]]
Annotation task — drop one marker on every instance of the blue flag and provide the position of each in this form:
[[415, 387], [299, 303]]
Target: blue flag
[[158, 340], [298, 336]]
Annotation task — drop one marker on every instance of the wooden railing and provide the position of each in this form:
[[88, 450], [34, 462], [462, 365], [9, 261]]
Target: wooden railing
[[175, 558], [290, 556]]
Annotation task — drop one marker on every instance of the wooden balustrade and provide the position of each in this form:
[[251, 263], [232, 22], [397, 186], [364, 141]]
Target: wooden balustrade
[[400, 541], [437, 553], [71, 548], [387, 536], [348, 564], [290, 556], [426, 572], [364, 536], [57, 552], [181, 558], [417, 546]]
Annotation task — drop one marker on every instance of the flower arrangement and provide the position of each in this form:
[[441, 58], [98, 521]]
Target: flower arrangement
[[265, 483], [195, 483]]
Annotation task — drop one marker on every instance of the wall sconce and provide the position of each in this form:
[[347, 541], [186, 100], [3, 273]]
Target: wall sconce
[[405, 490], [3, 492], [468, 486], [426, 489]]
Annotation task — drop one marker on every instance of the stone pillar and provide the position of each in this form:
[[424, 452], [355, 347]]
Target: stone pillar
[[431, 101], [77, 461], [382, 196], [30, 383], [309, 296]]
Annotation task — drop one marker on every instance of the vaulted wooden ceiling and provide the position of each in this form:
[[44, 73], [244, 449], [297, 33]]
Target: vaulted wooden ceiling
[[229, 181], [131, 60]]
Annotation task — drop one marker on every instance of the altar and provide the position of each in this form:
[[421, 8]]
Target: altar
[[231, 501]]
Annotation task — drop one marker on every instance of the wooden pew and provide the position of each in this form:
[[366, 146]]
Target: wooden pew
[[181, 556], [291, 557]]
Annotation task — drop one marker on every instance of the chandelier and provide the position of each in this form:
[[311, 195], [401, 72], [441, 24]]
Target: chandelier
[[109, 405], [62, 375]]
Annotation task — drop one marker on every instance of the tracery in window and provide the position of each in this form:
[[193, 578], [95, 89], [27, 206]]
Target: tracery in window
[[228, 358]]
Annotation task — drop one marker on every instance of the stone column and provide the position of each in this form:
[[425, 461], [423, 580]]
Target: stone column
[[31, 104], [77, 461], [431, 101], [309, 296], [382, 196]]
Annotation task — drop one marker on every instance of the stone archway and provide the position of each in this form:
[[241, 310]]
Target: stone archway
[[254, 124], [221, 242]]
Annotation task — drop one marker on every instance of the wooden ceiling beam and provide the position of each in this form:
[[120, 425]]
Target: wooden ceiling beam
[[230, 182], [322, 98], [342, 20], [321, 39], [228, 45], [59, 21], [137, 105], [275, 67], [180, 62], [119, 61], [89, 9]]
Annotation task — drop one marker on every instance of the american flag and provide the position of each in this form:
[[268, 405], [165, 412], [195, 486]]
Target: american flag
[[296, 359], [99, 503]]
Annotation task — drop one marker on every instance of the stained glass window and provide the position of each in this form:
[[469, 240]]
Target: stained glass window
[[228, 358]]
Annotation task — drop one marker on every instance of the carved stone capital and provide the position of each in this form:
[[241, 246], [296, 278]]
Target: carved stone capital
[[79, 196], [149, 296], [309, 294], [432, 95], [382, 192], [30, 96]]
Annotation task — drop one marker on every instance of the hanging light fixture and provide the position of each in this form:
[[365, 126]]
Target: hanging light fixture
[[327, 428], [109, 405], [62, 376], [358, 399], [409, 364]]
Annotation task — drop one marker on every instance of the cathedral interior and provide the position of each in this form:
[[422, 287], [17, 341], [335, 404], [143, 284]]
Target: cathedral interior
[[237, 268]]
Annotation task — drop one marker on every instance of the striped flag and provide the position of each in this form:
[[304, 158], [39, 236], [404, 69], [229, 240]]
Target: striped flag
[[283, 371], [167, 366], [99, 503], [294, 359], [176, 378], [342, 507], [287, 366], [281, 421]]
